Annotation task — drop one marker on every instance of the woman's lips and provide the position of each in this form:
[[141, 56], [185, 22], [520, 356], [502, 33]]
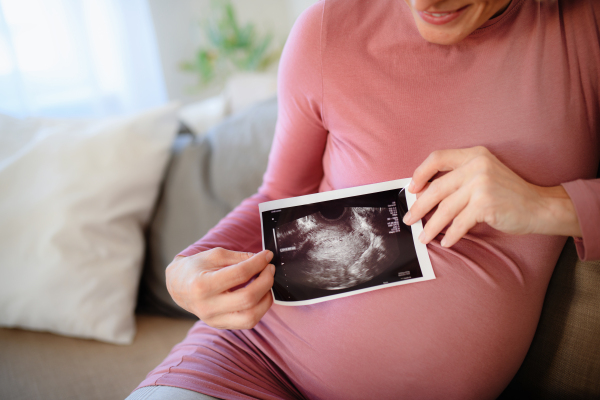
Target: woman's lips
[[440, 18]]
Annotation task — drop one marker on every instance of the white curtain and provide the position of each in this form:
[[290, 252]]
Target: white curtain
[[78, 58]]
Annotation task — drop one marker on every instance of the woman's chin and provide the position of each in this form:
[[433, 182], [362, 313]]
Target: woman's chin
[[441, 36]]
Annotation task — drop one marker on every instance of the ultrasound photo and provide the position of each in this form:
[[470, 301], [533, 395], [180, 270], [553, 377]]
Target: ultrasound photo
[[339, 243]]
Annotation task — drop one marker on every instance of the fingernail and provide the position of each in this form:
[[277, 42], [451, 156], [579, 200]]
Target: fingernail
[[406, 218], [444, 242], [411, 187], [272, 269], [269, 255], [422, 237]]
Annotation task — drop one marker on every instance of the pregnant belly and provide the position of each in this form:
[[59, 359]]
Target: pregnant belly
[[461, 336]]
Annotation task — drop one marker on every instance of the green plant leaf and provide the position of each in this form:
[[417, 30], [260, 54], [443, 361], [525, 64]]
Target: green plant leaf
[[230, 46]]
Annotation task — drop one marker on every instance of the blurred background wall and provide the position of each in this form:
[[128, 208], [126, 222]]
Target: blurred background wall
[[178, 32], [82, 58]]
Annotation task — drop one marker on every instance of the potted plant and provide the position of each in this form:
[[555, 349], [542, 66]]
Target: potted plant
[[237, 58]]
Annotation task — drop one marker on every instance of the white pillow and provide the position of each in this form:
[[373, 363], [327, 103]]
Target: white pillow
[[74, 198]]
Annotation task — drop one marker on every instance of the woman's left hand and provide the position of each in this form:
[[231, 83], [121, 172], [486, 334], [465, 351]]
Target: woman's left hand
[[479, 188]]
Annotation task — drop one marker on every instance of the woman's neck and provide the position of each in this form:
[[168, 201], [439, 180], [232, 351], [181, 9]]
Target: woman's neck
[[501, 10]]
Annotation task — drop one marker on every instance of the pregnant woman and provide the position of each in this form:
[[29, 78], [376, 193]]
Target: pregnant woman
[[500, 95]]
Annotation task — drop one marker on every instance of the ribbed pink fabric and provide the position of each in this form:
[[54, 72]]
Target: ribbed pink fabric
[[363, 99]]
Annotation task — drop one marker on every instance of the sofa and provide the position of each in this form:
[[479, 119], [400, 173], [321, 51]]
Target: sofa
[[206, 177]]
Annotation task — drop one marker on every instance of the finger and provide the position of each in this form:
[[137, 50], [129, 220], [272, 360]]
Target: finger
[[219, 258], [240, 273], [433, 194], [440, 160], [419, 194], [249, 296], [246, 319], [462, 224], [447, 210]]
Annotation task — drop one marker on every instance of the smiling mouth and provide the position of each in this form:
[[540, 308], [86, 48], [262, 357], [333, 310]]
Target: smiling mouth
[[440, 18]]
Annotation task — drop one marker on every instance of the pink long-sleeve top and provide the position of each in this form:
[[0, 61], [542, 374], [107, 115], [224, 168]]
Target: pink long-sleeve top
[[363, 98]]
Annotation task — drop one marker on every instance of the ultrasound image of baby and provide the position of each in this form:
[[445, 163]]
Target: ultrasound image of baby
[[337, 247]]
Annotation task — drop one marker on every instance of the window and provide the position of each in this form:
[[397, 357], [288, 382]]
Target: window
[[77, 58]]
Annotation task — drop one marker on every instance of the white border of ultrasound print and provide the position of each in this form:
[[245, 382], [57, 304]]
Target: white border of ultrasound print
[[417, 228]]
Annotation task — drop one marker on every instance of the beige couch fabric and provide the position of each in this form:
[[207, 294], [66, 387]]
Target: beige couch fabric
[[36, 365]]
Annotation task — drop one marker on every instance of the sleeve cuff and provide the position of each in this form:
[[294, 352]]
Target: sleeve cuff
[[585, 195]]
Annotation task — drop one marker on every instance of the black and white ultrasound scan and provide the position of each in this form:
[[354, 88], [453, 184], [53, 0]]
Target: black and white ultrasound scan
[[343, 242]]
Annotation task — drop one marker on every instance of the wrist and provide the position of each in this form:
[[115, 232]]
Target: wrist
[[556, 214]]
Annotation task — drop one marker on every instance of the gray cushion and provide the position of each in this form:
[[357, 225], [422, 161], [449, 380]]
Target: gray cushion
[[563, 361], [206, 179], [240, 152]]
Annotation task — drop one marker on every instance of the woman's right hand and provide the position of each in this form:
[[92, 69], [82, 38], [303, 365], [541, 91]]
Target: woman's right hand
[[217, 286]]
